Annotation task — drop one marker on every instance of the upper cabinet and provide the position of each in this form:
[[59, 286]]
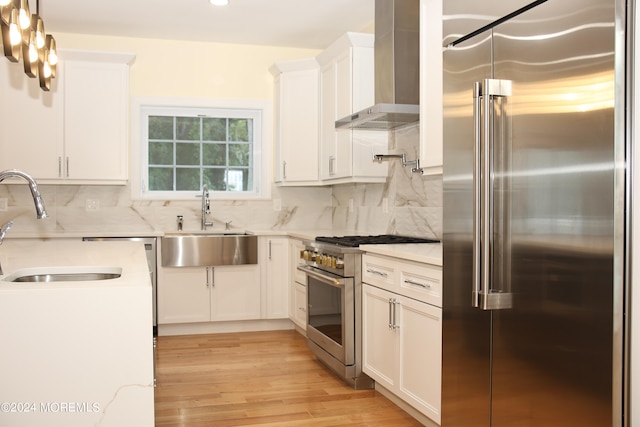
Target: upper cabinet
[[297, 103], [347, 86], [79, 129], [431, 87]]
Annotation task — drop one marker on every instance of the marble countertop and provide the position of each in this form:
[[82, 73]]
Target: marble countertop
[[428, 253], [33, 256]]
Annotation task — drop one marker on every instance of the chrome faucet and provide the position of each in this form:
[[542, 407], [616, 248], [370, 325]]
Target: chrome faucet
[[41, 212], [206, 208], [33, 186]]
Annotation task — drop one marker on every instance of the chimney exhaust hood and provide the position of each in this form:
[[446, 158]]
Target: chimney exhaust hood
[[397, 69]]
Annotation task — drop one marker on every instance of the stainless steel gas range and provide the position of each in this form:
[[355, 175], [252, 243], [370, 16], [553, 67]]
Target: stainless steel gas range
[[334, 298]]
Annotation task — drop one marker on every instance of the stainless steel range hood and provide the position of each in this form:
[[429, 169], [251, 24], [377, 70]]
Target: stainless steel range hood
[[397, 69]]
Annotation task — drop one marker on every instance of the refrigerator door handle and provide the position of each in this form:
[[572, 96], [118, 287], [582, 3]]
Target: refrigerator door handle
[[483, 94]]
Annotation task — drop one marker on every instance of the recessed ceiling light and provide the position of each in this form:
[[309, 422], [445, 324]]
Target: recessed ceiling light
[[219, 2]]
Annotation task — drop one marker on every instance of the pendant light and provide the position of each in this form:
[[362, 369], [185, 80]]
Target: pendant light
[[23, 33]]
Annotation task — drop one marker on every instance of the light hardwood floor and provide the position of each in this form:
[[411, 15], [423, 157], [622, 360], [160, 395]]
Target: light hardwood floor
[[258, 379]]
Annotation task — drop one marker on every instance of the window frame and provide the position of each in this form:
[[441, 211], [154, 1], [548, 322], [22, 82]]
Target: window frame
[[259, 111]]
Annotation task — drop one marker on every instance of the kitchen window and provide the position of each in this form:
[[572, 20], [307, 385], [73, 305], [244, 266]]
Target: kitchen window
[[184, 148]]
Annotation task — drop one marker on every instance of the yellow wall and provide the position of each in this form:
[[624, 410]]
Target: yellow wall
[[172, 68]]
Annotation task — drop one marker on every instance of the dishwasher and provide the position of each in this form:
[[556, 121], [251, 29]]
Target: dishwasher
[[150, 250]]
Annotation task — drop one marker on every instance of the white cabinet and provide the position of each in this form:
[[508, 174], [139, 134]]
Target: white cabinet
[[79, 129], [297, 101], [31, 123], [203, 294], [402, 330], [96, 101], [431, 107], [347, 86], [297, 287], [274, 262]]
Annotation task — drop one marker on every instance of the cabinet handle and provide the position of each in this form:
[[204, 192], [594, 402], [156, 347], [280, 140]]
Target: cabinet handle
[[284, 170], [379, 273], [207, 273], [331, 165], [422, 285], [210, 278], [269, 250], [67, 166], [390, 314], [395, 323], [59, 167]]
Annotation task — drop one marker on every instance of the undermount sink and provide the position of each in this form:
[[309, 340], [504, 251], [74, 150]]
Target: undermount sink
[[209, 249], [63, 274]]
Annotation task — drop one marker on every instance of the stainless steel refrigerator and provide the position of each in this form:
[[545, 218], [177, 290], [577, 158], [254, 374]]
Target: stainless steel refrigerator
[[533, 231]]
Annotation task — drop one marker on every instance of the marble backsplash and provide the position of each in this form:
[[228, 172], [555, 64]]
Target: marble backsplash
[[407, 203]]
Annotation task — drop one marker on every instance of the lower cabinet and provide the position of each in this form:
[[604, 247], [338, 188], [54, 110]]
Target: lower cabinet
[[274, 261], [297, 286], [402, 345], [203, 294]]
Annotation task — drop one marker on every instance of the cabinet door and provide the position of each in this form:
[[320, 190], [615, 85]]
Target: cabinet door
[[420, 347], [431, 102], [31, 131], [183, 295], [235, 292], [328, 114], [276, 260], [95, 120], [379, 343], [298, 126], [300, 305], [344, 107]]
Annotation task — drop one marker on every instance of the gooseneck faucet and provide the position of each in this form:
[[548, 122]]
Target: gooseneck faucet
[[41, 212], [206, 208], [33, 186]]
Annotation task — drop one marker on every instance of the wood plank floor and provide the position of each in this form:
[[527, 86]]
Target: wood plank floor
[[258, 379]]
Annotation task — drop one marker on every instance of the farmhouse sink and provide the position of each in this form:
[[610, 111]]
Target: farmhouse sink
[[208, 249], [63, 274]]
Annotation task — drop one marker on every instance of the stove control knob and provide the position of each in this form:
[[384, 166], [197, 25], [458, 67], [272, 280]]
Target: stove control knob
[[333, 262]]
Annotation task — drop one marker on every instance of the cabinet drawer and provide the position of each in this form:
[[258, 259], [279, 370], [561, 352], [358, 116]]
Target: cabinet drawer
[[422, 282], [379, 271]]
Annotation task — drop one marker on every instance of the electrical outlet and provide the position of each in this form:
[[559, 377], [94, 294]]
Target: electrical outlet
[[350, 205], [4, 204], [277, 204], [92, 204]]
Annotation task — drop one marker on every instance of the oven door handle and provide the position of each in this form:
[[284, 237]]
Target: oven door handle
[[332, 280]]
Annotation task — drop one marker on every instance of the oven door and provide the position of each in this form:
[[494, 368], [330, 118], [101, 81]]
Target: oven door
[[330, 313]]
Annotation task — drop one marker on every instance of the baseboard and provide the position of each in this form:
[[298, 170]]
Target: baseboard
[[224, 327], [423, 419]]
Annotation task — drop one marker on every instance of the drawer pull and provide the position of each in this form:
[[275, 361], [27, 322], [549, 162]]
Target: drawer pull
[[422, 285], [379, 273]]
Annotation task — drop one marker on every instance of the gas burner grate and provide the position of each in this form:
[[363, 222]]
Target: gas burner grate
[[384, 239]]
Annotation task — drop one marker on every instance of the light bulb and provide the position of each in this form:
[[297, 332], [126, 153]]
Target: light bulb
[[33, 50], [53, 57], [40, 37], [4, 2], [219, 2], [47, 70], [25, 15], [15, 36]]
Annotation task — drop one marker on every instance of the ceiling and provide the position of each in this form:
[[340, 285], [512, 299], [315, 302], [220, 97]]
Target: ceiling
[[312, 24]]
